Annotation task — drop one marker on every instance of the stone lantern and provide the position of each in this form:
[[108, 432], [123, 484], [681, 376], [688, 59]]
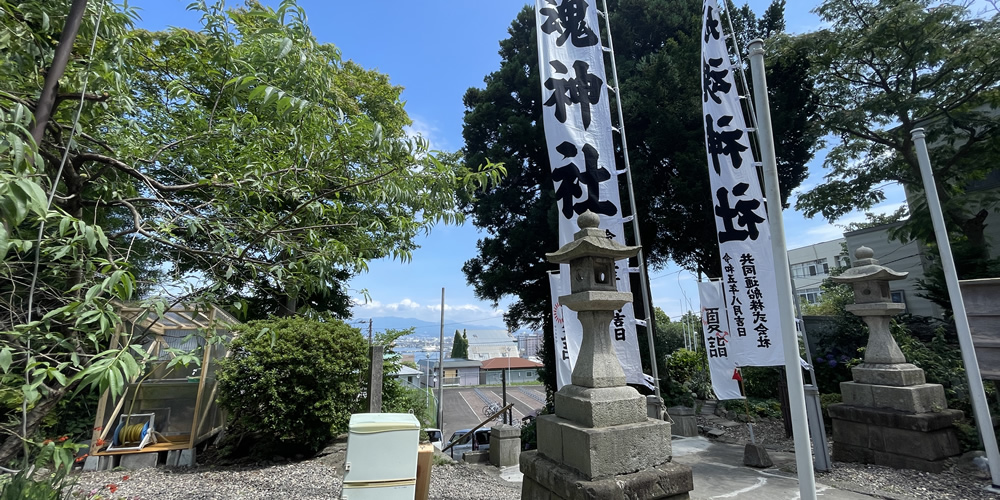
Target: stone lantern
[[890, 415], [595, 297], [599, 443], [874, 305]]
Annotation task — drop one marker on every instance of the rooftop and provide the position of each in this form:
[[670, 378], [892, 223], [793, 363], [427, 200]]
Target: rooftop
[[502, 363]]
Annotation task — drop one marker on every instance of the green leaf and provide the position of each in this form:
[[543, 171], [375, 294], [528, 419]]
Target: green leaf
[[284, 48], [38, 200], [58, 376], [3, 242], [6, 358]]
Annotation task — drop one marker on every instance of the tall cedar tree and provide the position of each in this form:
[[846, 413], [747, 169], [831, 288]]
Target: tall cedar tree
[[658, 53]]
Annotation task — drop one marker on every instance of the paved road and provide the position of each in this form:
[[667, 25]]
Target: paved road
[[719, 473], [463, 408]]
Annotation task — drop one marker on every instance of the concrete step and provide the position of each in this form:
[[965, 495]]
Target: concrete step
[[708, 407]]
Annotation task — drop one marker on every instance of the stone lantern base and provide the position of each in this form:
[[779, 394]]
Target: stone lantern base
[[890, 416], [548, 480], [600, 444]]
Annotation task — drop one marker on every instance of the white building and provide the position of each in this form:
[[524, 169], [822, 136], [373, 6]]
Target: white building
[[487, 344], [810, 265]]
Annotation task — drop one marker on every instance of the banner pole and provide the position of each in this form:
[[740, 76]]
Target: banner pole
[[789, 337], [984, 423], [647, 296]]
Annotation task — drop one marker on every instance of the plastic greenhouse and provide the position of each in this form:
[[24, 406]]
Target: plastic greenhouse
[[170, 409]]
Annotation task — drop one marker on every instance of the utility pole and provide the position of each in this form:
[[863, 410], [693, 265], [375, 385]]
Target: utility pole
[[369, 332]]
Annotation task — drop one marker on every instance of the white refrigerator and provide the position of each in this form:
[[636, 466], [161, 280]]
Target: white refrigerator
[[381, 462]]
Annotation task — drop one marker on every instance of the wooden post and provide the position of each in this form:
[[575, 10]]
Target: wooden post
[[195, 420], [375, 379], [102, 403]]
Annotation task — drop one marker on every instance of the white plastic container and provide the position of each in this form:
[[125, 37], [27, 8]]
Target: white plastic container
[[389, 490], [381, 456]]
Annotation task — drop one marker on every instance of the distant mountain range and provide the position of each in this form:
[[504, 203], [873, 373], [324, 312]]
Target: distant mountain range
[[422, 328]]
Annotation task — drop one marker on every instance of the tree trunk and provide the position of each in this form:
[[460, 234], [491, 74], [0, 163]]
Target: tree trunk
[[10, 447], [47, 100]]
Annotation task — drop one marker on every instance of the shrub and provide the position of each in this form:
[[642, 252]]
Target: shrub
[[292, 382], [759, 408], [762, 382], [832, 368], [686, 378], [398, 398]]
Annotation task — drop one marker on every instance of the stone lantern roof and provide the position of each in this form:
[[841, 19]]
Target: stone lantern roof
[[867, 268], [590, 241]]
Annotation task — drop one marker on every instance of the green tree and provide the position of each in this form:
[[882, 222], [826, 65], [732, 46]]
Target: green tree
[[459, 346], [396, 396], [886, 67], [669, 338], [246, 161]]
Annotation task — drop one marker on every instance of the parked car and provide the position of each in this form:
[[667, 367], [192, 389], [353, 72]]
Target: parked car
[[435, 436], [466, 443]]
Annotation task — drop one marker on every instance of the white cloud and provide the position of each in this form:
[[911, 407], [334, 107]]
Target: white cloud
[[408, 308], [428, 131]]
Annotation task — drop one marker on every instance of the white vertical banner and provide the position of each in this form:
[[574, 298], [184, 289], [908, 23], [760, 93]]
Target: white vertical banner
[[565, 343], [749, 287], [715, 327], [577, 121]]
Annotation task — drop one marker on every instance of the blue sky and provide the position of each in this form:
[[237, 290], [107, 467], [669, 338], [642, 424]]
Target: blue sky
[[436, 49]]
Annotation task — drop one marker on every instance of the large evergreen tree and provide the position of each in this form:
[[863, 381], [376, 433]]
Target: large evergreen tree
[[658, 53]]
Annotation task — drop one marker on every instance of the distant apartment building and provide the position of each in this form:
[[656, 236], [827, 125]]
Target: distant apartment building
[[810, 265], [528, 344]]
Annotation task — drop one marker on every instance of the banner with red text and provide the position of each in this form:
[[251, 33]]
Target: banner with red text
[[749, 287], [715, 327]]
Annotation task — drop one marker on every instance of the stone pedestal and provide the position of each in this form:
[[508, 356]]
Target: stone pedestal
[[505, 445], [890, 415], [685, 424], [893, 438], [600, 444], [548, 480]]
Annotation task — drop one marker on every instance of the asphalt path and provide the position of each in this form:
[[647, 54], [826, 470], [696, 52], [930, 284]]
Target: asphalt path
[[463, 408]]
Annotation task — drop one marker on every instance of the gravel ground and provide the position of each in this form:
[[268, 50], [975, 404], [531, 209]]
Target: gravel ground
[[960, 480], [319, 478], [309, 479]]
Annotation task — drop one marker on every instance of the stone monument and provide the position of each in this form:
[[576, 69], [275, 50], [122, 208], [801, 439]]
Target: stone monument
[[600, 443], [889, 415]]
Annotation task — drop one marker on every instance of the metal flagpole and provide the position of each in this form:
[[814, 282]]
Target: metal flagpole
[[647, 297], [789, 338], [976, 391]]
